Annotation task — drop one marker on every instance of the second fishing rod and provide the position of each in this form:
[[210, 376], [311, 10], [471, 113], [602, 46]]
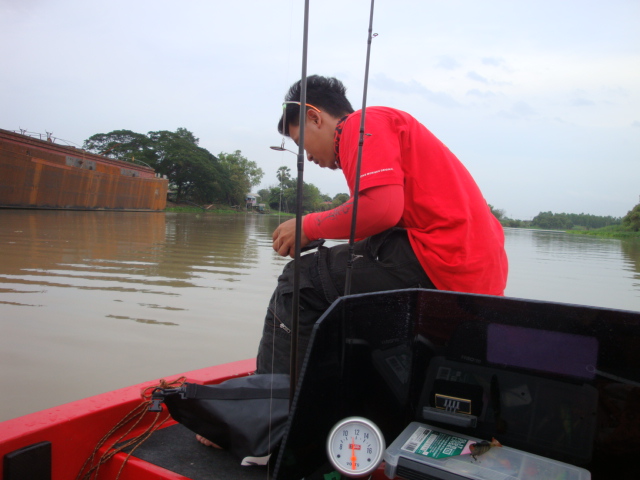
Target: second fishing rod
[[295, 321]]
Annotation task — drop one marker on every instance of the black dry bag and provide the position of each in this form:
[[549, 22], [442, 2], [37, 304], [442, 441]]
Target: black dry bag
[[246, 415]]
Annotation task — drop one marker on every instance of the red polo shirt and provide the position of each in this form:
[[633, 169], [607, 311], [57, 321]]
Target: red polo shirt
[[459, 242]]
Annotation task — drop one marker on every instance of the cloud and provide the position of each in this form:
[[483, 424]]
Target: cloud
[[519, 110], [617, 92], [413, 87], [581, 102], [22, 6], [209, 75], [523, 109], [477, 93], [448, 63], [494, 62], [477, 77]]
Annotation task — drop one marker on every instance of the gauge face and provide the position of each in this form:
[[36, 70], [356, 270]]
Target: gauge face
[[355, 446]]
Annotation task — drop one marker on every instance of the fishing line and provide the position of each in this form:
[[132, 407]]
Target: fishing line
[[298, 235], [275, 295], [356, 194], [300, 184]]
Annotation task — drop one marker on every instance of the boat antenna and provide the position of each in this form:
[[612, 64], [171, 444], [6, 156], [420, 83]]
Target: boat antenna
[[356, 190], [295, 307]]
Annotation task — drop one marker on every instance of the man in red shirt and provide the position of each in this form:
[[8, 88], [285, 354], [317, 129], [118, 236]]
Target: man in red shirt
[[422, 218]]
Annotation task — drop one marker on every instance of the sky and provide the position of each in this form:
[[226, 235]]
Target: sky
[[539, 99]]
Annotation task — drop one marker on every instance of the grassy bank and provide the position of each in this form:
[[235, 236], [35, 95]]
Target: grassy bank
[[614, 231], [215, 210], [220, 209]]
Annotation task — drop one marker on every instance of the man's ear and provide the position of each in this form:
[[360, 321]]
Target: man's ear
[[313, 116]]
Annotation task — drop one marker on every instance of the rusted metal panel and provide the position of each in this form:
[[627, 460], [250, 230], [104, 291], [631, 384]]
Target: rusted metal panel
[[36, 174]]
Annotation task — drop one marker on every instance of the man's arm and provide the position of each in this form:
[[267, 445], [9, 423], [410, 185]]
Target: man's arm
[[284, 238], [379, 208]]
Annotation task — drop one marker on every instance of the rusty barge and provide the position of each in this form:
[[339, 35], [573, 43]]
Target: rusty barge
[[40, 174]]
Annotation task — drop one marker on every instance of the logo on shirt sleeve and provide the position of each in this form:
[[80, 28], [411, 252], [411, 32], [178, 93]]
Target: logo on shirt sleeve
[[377, 171]]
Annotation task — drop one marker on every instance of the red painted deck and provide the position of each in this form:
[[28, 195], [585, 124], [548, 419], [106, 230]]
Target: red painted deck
[[75, 429]]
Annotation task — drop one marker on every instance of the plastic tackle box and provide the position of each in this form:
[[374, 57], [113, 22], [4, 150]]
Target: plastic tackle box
[[423, 452]]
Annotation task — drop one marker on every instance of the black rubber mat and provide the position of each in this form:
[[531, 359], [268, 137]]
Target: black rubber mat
[[175, 448]]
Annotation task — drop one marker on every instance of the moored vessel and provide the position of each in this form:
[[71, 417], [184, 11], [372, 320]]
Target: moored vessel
[[40, 174]]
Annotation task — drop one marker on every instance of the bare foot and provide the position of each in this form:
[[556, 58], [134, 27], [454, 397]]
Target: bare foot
[[206, 442]]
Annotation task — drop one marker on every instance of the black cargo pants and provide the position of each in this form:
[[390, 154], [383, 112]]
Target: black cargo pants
[[382, 262]]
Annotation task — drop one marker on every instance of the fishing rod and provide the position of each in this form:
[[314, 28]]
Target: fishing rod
[[295, 306], [295, 319], [356, 190]]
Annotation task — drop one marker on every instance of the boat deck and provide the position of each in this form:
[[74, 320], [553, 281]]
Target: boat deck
[[383, 356], [176, 449]]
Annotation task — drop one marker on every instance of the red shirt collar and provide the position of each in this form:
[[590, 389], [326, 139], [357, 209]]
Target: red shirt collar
[[336, 139]]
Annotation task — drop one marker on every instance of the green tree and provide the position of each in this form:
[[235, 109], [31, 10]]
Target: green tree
[[554, 221], [193, 172], [339, 199], [242, 173], [513, 223], [631, 220], [273, 197], [282, 197], [311, 198], [498, 213], [264, 193], [284, 177], [122, 145]]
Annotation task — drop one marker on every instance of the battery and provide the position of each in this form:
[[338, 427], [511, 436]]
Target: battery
[[424, 452]]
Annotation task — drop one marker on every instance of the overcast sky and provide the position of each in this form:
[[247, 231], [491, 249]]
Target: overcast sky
[[539, 99]]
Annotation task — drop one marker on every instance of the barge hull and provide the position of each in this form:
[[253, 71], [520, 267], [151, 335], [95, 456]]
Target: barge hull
[[42, 175]]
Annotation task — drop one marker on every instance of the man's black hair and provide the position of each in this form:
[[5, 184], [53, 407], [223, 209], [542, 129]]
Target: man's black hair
[[326, 93]]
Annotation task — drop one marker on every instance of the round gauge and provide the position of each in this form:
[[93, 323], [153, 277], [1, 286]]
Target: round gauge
[[355, 446]]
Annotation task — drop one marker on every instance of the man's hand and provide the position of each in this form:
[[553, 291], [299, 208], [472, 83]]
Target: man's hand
[[284, 238]]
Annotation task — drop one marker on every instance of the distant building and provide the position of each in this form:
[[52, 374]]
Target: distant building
[[251, 200]]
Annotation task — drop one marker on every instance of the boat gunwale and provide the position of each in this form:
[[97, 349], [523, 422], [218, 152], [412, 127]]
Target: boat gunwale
[[75, 428]]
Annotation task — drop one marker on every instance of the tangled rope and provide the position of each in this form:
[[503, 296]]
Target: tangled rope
[[91, 467]]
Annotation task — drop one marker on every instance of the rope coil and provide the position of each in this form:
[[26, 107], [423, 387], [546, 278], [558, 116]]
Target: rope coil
[[91, 467]]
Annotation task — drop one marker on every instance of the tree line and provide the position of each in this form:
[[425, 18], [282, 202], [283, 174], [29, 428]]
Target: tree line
[[568, 221], [282, 197], [194, 173]]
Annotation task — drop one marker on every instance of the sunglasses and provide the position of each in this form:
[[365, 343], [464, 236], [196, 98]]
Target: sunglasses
[[284, 105], [284, 115]]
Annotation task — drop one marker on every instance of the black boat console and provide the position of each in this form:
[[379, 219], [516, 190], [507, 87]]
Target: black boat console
[[556, 380]]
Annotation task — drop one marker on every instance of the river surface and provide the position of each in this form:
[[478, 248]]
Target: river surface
[[93, 301]]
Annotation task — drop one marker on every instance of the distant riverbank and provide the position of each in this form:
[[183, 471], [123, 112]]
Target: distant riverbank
[[214, 209], [217, 209], [614, 231]]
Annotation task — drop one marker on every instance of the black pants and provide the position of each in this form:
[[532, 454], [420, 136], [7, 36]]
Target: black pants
[[382, 262]]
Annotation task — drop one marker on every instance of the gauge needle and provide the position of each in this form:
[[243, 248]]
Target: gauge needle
[[353, 454]]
